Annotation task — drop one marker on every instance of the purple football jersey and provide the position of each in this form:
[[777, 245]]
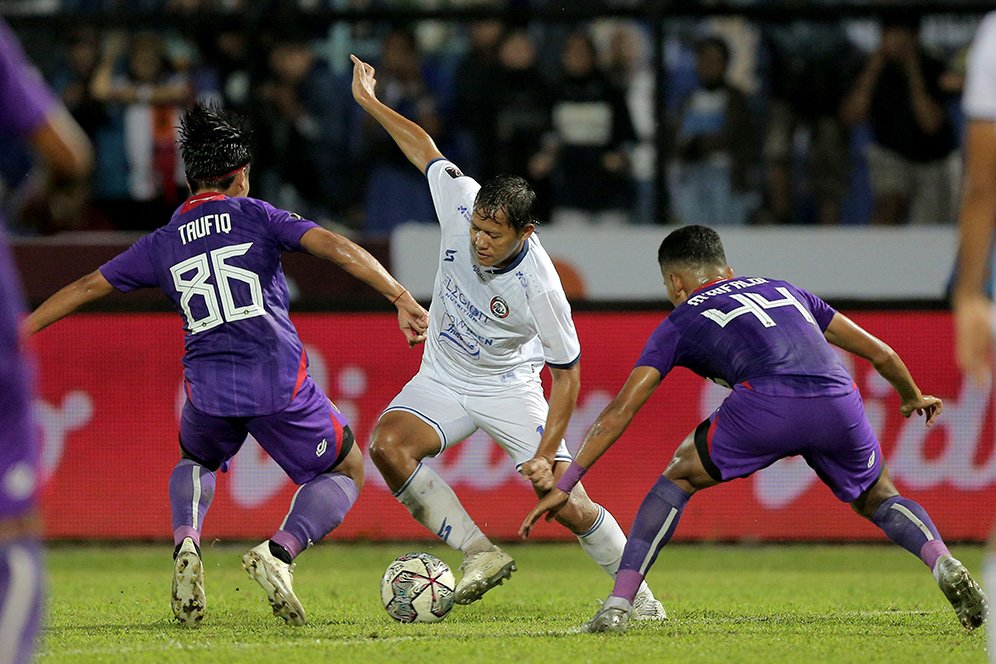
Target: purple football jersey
[[762, 332], [218, 259], [24, 102]]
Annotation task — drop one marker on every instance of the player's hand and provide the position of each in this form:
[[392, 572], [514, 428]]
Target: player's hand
[[539, 471], [973, 340], [363, 81], [412, 319], [925, 405], [549, 504]]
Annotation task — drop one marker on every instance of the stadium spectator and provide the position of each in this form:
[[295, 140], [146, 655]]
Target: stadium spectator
[[474, 94], [910, 160], [973, 306], [713, 141], [628, 65], [587, 152], [150, 95], [30, 110], [301, 117], [403, 87], [810, 73], [245, 369], [504, 317], [791, 395], [521, 115]]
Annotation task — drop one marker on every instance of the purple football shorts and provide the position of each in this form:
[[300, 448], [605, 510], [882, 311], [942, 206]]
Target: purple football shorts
[[307, 438], [750, 431]]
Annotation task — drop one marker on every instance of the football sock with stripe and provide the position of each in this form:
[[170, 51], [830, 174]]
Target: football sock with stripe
[[655, 522], [191, 489], [604, 542], [318, 507], [907, 524], [432, 503]]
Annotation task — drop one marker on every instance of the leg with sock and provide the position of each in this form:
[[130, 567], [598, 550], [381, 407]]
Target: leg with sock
[[653, 527], [433, 504], [907, 524], [318, 507], [604, 543], [191, 489]]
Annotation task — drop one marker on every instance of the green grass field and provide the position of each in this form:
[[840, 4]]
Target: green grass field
[[726, 604]]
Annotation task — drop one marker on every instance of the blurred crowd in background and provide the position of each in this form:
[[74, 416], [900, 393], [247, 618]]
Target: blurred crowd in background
[[818, 122]]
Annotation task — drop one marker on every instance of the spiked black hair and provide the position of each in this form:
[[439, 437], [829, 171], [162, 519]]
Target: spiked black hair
[[510, 193], [213, 144], [691, 246]]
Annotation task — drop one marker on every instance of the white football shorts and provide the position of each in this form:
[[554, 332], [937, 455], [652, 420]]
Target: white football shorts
[[513, 418]]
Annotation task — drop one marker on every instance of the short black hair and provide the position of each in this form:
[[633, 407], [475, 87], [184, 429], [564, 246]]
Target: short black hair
[[510, 193], [213, 144], [691, 246], [715, 42]]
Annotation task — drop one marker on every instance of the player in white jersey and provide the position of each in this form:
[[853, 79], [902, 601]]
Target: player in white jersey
[[498, 314], [975, 323]]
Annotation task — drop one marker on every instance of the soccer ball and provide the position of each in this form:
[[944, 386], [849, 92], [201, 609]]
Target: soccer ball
[[417, 587]]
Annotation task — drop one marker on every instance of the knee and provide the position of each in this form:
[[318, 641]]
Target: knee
[[389, 448], [868, 503]]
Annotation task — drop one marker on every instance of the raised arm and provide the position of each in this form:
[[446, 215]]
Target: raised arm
[[67, 300], [606, 430], [357, 261], [844, 333], [417, 145]]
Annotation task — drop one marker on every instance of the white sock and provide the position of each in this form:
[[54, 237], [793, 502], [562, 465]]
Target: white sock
[[989, 587], [433, 504], [604, 543]]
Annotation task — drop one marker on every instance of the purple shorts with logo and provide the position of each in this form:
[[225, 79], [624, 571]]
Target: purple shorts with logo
[[750, 431], [306, 439]]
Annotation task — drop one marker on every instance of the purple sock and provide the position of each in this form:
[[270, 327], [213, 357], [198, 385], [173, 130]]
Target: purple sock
[[907, 524], [21, 587], [654, 524], [191, 489], [318, 507]]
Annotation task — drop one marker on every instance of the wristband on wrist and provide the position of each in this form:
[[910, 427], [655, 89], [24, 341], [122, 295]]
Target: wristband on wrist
[[398, 297], [571, 477]]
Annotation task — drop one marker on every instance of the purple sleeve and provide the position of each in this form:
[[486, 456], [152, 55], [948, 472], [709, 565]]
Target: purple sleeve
[[26, 98], [287, 227], [133, 268], [822, 312], [661, 349]]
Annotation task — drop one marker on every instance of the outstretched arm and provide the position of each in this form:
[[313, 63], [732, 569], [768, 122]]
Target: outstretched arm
[[844, 333], [417, 145], [67, 300], [606, 430], [357, 261]]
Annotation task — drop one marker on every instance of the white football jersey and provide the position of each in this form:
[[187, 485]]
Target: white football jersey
[[979, 97], [490, 327]]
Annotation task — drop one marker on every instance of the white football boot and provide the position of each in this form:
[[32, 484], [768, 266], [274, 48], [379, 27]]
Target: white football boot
[[277, 579], [188, 585], [612, 617], [647, 607], [482, 572], [965, 595]]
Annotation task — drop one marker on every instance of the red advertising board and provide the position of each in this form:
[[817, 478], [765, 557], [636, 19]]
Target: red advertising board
[[110, 395]]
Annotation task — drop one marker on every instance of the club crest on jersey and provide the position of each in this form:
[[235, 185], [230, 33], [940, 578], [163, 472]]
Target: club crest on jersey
[[499, 307]]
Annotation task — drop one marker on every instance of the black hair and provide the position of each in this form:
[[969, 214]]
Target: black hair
[[691, 246], [901, 17], [510, 193], [213, 144], [717, 43]]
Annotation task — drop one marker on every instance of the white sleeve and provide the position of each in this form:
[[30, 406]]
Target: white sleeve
[[979, 98], [453, 194], [552, 313]]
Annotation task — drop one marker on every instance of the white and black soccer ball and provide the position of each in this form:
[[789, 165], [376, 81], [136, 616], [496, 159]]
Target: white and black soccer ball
[[417, 587]]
